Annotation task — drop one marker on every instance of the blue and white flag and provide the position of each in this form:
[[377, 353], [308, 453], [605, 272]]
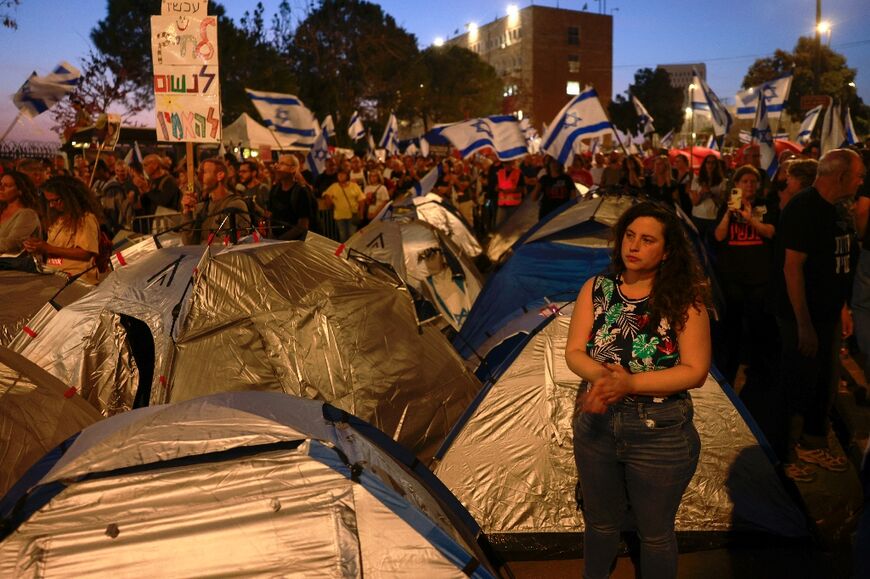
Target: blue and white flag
[[40, 93], [851, 135], [833, 131], [762, 135], [318, 154], [285, 114], [501, 133], [667, 140], [644, 119], [328, 127], [775, 94], [744, 136], [390, 139], [582, 118], [706, 103], [355, 129], [424, 147], [427, 183], [711, 142]]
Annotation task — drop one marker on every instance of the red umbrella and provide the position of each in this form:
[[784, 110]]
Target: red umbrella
[[780, 145], [698, 154]]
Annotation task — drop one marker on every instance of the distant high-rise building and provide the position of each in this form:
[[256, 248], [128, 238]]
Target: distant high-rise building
[[544, 56], [681, 74]]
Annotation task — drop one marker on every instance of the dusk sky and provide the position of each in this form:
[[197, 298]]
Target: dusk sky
[[728, 36]]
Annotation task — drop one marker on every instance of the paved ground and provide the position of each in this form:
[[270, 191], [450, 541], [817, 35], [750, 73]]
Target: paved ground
[[833, 501]]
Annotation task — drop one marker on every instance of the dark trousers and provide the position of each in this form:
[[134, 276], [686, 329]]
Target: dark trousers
[[810, 382]]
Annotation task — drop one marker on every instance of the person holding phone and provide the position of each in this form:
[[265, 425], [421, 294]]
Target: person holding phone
[[744, 233]]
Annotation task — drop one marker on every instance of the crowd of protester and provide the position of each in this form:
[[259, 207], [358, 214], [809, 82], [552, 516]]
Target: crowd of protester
[[61, 218]]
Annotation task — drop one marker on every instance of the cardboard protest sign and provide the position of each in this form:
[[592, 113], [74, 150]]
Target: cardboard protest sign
[[184, 49]]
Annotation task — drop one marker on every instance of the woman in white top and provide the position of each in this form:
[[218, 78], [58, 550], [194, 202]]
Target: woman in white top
[[376, 194], [19, 218], [707, 194]]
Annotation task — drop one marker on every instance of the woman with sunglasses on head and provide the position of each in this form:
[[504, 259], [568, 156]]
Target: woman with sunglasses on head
[[640, 339], [73, 229], [19, 219]]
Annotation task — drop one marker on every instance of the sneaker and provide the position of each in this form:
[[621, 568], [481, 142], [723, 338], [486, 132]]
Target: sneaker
[[799, 472], [822, 457]]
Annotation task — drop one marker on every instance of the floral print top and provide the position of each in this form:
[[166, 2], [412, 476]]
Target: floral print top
[[621, 333]]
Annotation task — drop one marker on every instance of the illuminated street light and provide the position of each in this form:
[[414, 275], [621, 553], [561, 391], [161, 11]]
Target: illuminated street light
[[824, 27], [513, 14], [512, 10], [438, 41], [472, 32]]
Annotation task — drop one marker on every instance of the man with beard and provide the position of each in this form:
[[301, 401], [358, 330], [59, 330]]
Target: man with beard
[[291, 200], [219, 209]]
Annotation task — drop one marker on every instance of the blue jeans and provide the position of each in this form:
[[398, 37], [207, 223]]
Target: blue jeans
[[640, 456], [345, 228]]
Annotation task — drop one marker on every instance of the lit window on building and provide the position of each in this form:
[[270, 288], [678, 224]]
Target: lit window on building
[[573, 63], [574, 35], [572, 88]]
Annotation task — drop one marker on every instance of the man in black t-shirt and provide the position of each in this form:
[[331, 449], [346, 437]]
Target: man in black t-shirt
[[291, 202], [815, 244], [554, 188]]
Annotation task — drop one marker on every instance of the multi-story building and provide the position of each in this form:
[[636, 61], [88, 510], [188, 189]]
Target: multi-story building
[[681, 74], [544, 56]]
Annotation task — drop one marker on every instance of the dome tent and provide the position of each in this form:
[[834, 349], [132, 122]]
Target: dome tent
[[451, 284], [37, 412], [246, 483], [514, 469], [291, 317]]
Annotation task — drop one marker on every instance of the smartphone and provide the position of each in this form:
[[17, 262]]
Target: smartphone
[[735, 202]]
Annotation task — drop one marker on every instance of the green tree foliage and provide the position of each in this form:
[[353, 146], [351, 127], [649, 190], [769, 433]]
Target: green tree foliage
[[457, 84], [818, 70], [349, 54], [247, 58], [663, 101]]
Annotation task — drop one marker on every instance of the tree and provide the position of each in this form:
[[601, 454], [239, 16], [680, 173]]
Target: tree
[[455, 84], [663, 102], [818, 70], [246, 56], [349, 54]]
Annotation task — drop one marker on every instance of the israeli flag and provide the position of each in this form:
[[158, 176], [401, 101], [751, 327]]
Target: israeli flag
[[667, 140], [644, 119], [851, 135], [427, 183], [356, 130], [711, 142], [705, 103], [40, 93], [424, 147], [762, 135], [833, 131], [390, 139], [501, 133], [775, 94], [285, 114], [316, 159], [328, 127], [582, 118]]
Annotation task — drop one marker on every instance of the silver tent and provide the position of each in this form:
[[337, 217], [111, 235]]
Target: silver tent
[[450, 281], [432, 209], [24, 294], [290, 317], [511, 462], [239, 484]]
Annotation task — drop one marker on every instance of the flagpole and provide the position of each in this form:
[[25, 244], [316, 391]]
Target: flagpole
[[692, 127], [96, 160], [11, 125]]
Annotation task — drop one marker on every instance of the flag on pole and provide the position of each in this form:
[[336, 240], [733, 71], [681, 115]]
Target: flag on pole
[[424, 147], [582, 118], [762, 135], [775, 94], [40, 93], [706, 103], [644, 119], [427, 183], [356, 130], [285, 114], [667, 140], [328, 127], [390, 139], [316, 159], [851, 135], [711, 142], [500, 133], [833, 132]]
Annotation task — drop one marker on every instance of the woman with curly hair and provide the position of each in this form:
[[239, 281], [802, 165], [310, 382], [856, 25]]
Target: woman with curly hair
[[19, 213], [640, 339], [73, 229]]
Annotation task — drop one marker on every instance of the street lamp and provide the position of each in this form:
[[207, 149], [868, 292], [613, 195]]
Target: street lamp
[[438, 41], [824, 27]]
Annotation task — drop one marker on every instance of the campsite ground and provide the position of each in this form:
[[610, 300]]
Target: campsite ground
[[833, 502]]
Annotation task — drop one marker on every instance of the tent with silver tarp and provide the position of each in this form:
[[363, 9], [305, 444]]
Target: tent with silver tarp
[[290, 317], [510, 458], [239, 483], [426, 259]]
